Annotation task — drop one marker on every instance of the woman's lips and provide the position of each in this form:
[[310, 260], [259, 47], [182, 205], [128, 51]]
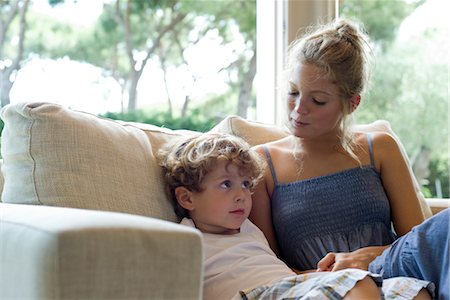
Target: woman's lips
[[238, 211], [298, 123]]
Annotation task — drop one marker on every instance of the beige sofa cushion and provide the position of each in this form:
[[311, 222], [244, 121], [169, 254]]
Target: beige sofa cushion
[[258, 133], [255, 133], [59, 157], [66, 253]]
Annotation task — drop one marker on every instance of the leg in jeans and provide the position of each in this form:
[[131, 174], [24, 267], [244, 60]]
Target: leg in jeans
[[423, 253]]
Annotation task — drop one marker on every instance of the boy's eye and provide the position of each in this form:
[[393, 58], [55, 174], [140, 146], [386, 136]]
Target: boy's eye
[[226, 184], [246, 184]]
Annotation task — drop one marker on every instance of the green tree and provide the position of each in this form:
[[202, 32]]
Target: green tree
[[13, 28], [381, 18], [25, 34], [409, 83], [130, 33]]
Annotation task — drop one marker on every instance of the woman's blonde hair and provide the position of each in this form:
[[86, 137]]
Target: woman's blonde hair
[[186, 163], [341, 50]]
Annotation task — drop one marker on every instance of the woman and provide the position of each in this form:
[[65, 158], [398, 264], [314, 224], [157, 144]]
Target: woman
[[327, 189]]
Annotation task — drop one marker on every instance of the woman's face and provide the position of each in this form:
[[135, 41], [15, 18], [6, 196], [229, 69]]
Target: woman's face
[[315, 108]]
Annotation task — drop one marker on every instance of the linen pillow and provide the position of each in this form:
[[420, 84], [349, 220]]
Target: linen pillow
[[255, 133], [59, 157]]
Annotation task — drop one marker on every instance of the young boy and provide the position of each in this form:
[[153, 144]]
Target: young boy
[[210, 178]]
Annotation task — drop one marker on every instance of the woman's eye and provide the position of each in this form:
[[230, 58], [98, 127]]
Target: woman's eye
[[226, 184], [318, 102], [293, 93]]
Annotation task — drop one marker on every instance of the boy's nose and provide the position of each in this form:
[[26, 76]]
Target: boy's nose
[[240, 195]]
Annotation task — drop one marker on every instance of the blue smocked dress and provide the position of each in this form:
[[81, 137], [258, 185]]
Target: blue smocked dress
[[339, 212]]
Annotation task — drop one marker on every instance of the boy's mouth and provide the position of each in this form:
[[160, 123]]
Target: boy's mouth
[[238, 211]]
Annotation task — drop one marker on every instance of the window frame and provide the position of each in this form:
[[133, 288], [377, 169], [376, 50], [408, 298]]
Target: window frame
[[277, 25]]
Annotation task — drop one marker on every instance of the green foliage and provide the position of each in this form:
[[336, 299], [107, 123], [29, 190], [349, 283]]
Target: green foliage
[[409, 86], [103, 44], [381, 18], [8, 47], [55, 2], [196, 121], [1, 130], [404, 89], [439, 169], [240, 12], [49, 38]]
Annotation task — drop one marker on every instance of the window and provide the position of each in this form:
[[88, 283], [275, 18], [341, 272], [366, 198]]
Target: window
[[279, 23], [189, 63], [409, 86], [172, 60], [410, 80]]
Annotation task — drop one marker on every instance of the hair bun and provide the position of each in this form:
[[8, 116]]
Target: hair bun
[[348, 30]]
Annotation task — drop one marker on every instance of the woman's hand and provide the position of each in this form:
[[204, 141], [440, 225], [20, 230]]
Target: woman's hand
[[359, 259]]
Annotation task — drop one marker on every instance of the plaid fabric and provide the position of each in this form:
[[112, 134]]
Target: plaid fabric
[[317, 286], [399, 288], [334, 286]]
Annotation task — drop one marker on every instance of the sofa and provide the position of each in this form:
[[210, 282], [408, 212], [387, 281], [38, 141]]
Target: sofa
[[84, 212]]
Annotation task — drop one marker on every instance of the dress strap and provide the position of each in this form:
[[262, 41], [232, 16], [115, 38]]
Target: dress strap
[[369, 142], [269, 162]]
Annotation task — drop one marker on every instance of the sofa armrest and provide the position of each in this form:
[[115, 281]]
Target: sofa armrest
[[57, 253], [438, 204]]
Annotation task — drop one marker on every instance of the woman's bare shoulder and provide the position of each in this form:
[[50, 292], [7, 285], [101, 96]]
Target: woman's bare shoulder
[[275, 146], [363, 150], [384, 141], [384, 146], [381, 138]]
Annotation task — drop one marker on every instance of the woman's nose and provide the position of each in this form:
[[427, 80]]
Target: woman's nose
[[300, 105]]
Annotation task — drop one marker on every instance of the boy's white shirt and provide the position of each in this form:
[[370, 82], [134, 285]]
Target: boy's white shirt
[[238, 261]]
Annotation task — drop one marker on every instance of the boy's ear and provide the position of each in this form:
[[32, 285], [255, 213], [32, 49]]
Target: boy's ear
[[184, 198]]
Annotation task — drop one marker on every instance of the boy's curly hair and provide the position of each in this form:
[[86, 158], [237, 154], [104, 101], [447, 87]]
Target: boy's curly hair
[[187, 162]]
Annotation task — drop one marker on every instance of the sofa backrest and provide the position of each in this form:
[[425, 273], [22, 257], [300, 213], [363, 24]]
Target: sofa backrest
[[258, 133], [59, 157]]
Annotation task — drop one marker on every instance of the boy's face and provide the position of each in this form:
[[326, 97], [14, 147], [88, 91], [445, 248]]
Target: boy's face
[[224, 202]]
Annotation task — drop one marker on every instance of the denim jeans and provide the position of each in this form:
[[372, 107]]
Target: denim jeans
[[422, 253]]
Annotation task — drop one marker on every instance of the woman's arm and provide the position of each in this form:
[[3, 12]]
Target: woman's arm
[[261, 214], [397, 182], [359, 259]]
